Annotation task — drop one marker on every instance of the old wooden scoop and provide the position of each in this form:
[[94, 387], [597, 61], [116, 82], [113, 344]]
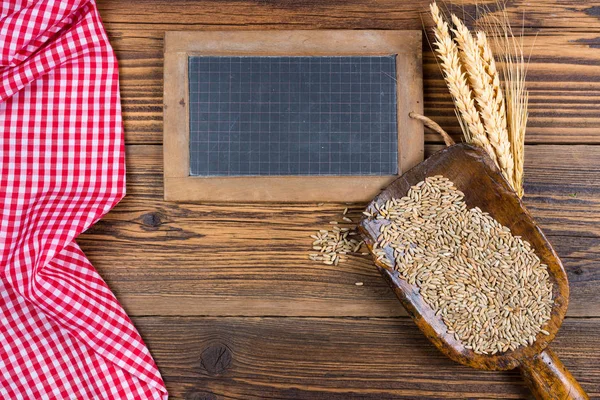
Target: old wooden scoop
[[475, 174]]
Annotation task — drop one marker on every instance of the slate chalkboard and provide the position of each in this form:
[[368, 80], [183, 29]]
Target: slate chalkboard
[[317, 115], [289, 115]]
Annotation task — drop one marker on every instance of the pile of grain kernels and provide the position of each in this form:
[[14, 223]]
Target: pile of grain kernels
[[334, 245], [489, 287]]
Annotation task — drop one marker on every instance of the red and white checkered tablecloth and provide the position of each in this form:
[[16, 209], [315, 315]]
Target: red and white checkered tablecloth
[[63, 334]]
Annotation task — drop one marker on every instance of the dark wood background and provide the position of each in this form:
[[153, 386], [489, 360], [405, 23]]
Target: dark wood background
[[225, 296]]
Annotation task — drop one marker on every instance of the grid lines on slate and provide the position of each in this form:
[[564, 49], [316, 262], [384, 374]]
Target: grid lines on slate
[[293, 115]]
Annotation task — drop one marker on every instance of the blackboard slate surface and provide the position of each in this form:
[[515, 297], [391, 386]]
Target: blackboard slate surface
[[325, 115], [212, 152]]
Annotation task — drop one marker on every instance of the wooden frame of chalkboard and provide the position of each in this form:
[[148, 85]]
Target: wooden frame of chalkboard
[[179, 46]]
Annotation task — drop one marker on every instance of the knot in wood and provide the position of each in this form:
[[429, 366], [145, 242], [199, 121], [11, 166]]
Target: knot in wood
[[151, 220], [216, 359]]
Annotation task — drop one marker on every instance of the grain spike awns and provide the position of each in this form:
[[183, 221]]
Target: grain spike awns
[[488, 286], [490, 102]]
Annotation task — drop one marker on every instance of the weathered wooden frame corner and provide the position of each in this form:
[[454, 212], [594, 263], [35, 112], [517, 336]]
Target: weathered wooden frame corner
[[180, 186]]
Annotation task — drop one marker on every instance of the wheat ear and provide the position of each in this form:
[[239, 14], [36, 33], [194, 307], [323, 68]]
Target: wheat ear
[[517, 113], [493, 121], [456, 81], [512, 71], [506, 108], [489, 63], [517, 97]]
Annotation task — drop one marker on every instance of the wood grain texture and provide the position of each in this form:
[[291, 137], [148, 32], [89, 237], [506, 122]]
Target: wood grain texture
[[564, 71], [337, 359], [166, 258]]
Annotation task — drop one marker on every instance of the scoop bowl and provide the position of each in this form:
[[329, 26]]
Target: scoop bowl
[[483, 185]]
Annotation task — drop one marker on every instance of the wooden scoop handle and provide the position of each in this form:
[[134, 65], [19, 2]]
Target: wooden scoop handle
[[549, 379]]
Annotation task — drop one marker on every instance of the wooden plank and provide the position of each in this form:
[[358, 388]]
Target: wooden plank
[[564, 72], [550, 170], [341, 358], [241, 259], [338, 14], [206, 259]]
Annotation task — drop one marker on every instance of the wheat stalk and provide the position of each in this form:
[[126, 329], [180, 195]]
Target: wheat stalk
[[513, 72], [456, 81], [516, 103], [517, 98], [494, 120]]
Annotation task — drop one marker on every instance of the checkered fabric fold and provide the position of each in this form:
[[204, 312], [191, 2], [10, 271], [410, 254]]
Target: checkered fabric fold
[[63, 334]]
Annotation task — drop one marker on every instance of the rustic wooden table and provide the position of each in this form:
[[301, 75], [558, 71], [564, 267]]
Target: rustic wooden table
[[225, 296]]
